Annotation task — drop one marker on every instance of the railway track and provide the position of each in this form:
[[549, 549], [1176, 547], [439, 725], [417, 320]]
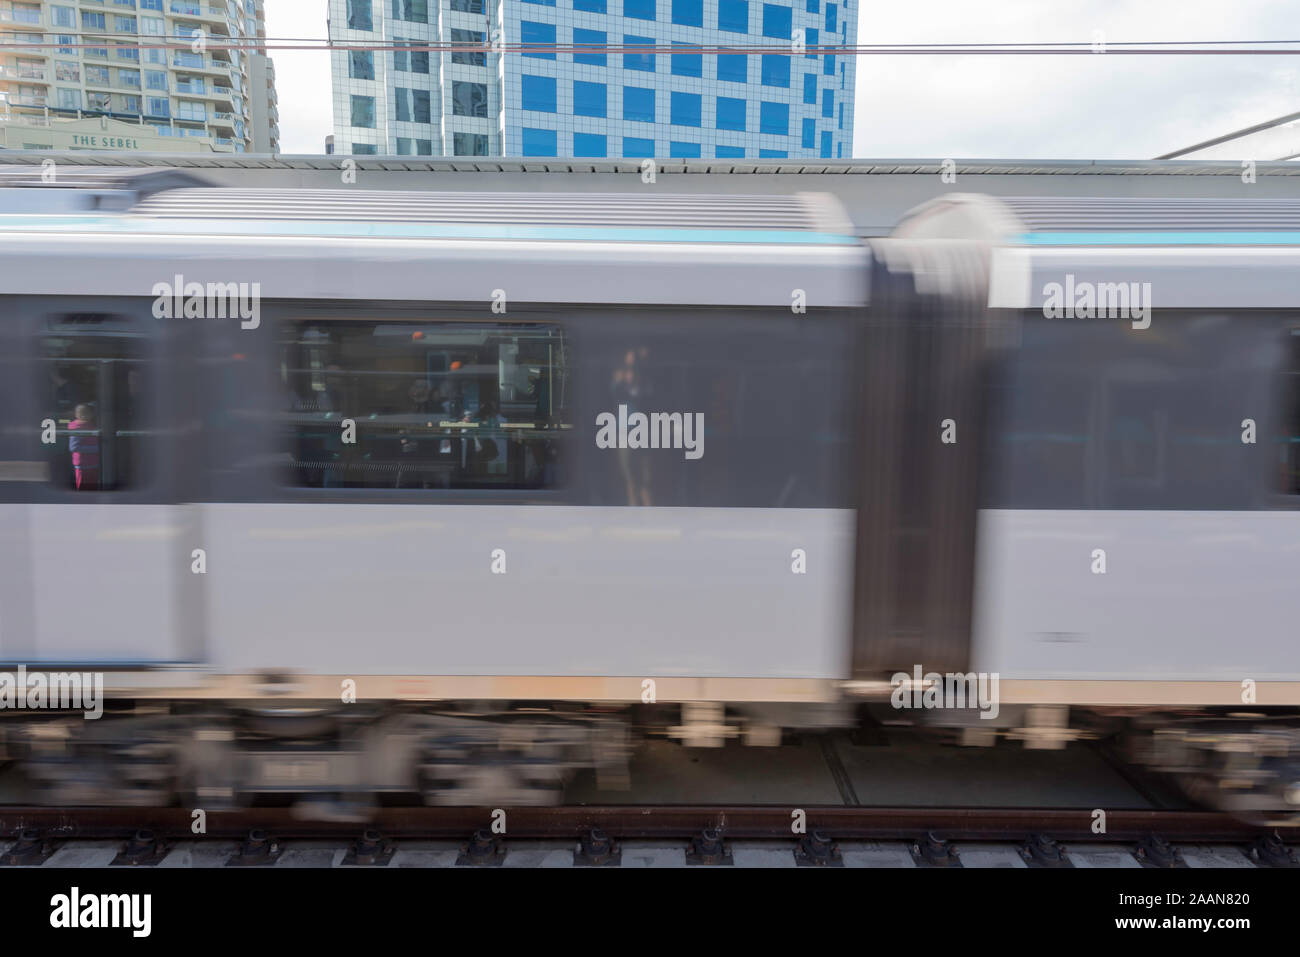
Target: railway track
[[648, 835]]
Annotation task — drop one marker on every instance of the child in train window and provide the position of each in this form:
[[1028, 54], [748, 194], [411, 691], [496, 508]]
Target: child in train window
[[84, 448]]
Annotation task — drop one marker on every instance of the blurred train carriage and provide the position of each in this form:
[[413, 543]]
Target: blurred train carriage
[[391, 480]]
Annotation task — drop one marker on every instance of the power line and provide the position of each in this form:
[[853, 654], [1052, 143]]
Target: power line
[[1062, 48]]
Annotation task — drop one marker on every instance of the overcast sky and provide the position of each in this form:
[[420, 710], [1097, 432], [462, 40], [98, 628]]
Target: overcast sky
[[1069, 107]]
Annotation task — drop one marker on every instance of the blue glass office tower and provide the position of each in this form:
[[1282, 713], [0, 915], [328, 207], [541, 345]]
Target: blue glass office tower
[[669, 102]]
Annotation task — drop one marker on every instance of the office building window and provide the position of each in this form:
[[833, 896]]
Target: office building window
[[733, 67], [828, 103], [413, 106], [468, 38], [635, 147], [639, 9], [679, 150], [469, 99], [774, 118], [363, 111], [729, 152], [644, 62], [596, 39], [826, 144], [361, 65], [364, 149], [589, 6], [359, 15], [684, 109], [688, 13], [537, 34], [687, 64], [538, 142], [810, 41], [589, 99], [469, 144], [776, 21], [809, 140], [638, 104], [408, 146], [538, 93], [589, 145], [773, 154], [810, 88], [775, 70], [412, 11], [731, 113], [733, 16]]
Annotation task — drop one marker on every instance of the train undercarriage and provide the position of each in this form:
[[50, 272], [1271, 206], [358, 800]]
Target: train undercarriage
[[342, 763]]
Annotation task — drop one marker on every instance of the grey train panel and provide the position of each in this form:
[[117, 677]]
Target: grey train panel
[[1052, 214], [399, 589], [97, 583], [1187, 596], [1182, 277], [417, 270]]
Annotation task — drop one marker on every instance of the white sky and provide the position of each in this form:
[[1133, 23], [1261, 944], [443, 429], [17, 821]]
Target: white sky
[[1068, 107]]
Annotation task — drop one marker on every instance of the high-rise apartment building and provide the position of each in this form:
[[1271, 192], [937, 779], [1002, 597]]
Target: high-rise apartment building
[[90, 75], [568, 94]]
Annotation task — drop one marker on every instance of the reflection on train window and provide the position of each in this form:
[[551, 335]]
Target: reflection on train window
[[435, 404], [93, 385], [1097, 415]]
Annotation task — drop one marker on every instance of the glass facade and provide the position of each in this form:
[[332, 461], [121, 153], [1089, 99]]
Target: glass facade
[[566, 95]]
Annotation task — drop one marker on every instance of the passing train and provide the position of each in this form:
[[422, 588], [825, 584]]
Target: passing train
[[349, 493]]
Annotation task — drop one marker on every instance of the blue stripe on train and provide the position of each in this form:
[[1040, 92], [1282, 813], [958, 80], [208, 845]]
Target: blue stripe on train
[[237, 227], [1231, 238]]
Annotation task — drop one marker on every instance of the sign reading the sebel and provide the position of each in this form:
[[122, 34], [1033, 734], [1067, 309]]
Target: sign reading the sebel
[[105, 142]]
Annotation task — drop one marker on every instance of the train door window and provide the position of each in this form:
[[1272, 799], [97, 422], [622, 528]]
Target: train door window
[[92, 388], [1289, 439], [424, 405]]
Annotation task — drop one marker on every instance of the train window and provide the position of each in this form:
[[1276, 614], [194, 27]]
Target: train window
[[431, 405], [1096, 415], [93, 383], [1289, 440]]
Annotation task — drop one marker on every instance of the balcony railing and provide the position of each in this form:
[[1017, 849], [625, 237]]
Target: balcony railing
[[21, 16], [24, 73]]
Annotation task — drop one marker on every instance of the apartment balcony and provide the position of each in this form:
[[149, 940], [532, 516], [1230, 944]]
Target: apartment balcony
[[23, 19], [222, 120], [31, 101], [26, 74], [35, 117], [208, 12], [197, 63], [223, 144]]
